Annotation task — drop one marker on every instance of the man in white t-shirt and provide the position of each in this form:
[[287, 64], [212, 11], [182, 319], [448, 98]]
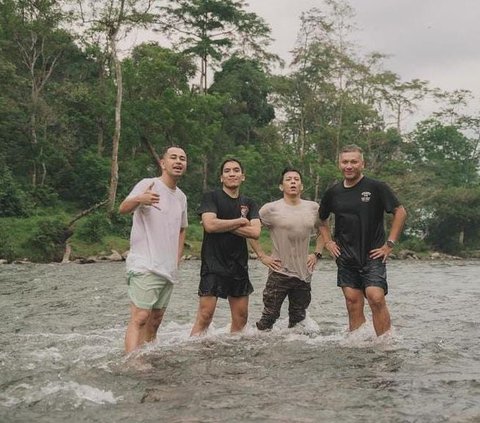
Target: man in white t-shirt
[[291, 222], [156, 245]]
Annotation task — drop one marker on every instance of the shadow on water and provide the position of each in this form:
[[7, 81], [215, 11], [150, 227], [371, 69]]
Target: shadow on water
[[62, 353]]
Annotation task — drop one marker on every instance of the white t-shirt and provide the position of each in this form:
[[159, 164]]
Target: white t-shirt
[[291, 227], [155, 231]]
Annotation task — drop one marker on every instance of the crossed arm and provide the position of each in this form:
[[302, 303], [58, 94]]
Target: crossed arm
[[240, 226]]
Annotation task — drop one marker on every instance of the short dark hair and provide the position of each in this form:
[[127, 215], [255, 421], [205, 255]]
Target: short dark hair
[[290, 169], [230, 159], [168, 147]]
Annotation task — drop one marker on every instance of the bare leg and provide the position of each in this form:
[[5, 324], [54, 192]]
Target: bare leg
[[135, 335], [153, 322], [239, 311], [206, 309], [355, 302], [378, 305]]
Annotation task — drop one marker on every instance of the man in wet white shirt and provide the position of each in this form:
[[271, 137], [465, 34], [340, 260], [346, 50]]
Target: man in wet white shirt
[[156, 245]]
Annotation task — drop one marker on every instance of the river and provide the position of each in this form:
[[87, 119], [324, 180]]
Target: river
[[61, 352]]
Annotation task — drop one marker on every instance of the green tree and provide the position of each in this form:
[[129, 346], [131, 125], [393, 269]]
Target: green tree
[[247, 87], [113, 20], [210, 29], [455, 220], [35, 43], [445, 152], [12, 198]]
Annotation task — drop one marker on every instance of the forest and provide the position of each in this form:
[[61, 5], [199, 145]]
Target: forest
[[85, 113]]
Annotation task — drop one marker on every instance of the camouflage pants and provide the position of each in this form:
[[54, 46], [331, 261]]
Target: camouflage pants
[[278, 287]]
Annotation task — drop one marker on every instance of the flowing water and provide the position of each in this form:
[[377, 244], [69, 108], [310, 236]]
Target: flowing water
[[61, 352]]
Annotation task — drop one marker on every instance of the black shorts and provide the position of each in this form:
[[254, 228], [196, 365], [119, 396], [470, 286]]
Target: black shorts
[[374, 273], [212, 285]]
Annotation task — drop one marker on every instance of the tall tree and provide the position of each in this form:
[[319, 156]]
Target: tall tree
[[37, 43], [113, 19], [450, 155], [210, 29], [247, 87]]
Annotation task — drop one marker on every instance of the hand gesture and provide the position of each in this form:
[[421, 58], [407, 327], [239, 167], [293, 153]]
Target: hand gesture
[[311, 262], [333, 248], [150, 197], [274, 264], [383, 252]]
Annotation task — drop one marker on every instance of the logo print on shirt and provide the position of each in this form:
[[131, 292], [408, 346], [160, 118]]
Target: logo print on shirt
[[244, 211], [366, 196]]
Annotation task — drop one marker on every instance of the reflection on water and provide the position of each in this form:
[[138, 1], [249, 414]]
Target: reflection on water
[[61, 352]]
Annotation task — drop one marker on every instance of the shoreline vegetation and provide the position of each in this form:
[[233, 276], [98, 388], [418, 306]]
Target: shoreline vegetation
[[35, 240], [116, 256]]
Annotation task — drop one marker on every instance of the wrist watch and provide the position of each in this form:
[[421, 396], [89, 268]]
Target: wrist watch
[[390, 243], [318, 255]]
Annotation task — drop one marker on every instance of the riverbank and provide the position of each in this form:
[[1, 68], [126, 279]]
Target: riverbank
[[46, 238], [116, 256]]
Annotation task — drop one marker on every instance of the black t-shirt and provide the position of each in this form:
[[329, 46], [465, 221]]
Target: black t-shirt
[[225, 253], [359, 211]]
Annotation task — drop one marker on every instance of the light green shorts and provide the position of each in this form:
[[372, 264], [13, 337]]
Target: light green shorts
[[148, 290]]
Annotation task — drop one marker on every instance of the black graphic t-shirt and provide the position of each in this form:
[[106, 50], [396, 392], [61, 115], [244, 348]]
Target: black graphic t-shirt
[[359, 212], [225, 253]]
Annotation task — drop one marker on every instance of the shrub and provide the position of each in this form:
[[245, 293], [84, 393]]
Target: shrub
[[43, 196], [121, 224], [12, 199], [414, 244], [93, 227], [7, 250], [47, 243]]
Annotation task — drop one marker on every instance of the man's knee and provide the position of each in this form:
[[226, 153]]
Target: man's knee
[[354, 302], [140, 316], [156, 317], [376, 299], [205, 314], [241, 315]]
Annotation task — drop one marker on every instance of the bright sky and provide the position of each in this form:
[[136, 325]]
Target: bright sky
[[434, 40]]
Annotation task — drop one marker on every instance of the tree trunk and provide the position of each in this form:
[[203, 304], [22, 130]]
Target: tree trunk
[[34, 140], [205, 173], [112, 191], [69, 231], [317, 188], [153, 152]]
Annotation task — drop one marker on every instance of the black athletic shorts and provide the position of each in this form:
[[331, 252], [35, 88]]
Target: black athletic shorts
[[374, 273], [212, 285]]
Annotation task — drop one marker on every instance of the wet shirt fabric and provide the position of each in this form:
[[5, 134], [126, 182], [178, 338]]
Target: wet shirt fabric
[[291, 227], [155, 231], [225, 254], [359, 212]]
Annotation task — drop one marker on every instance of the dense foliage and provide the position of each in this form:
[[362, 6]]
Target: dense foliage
[[70, 107]]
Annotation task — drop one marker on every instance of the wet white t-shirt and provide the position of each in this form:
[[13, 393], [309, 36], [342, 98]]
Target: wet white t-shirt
[[290, 230], [155, 231]]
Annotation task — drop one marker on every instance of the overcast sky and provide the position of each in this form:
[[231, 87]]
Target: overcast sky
[[435, 40]]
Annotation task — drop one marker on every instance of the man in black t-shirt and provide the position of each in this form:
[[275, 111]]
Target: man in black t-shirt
[[228, 218], [359, 246]]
